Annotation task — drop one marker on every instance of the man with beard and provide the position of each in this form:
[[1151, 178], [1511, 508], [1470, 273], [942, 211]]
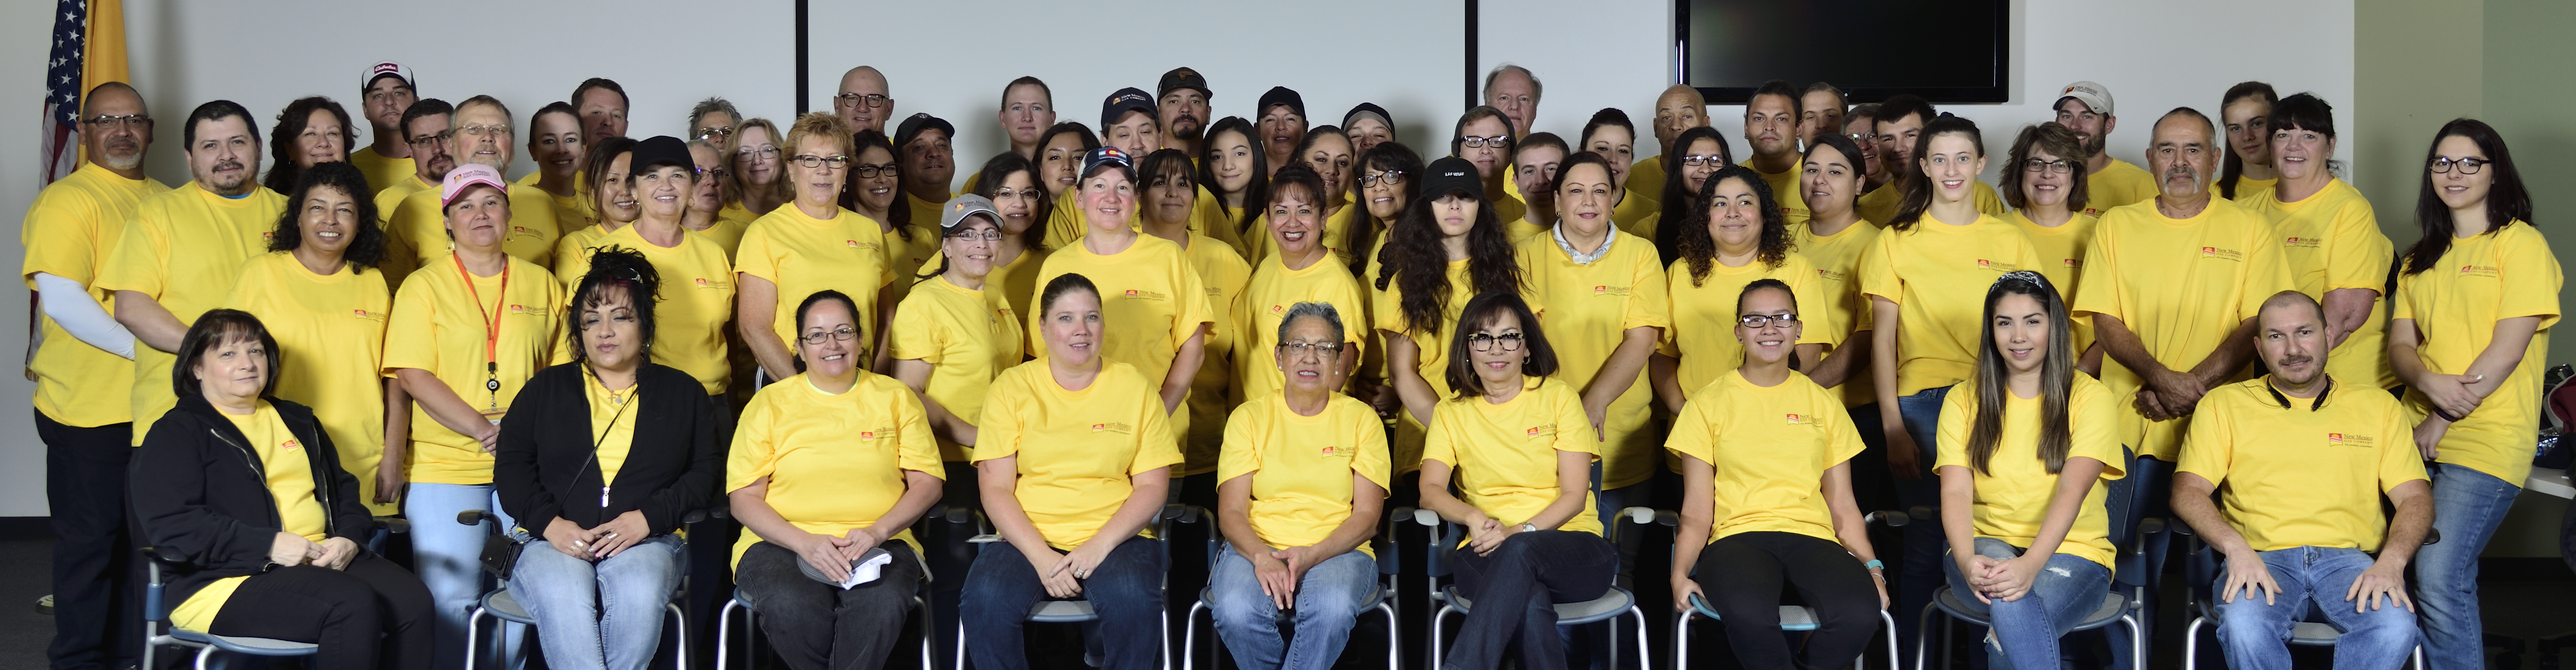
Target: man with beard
[[1899, 125], [415, 229], [2108, 182], [183, 248], [2173, 285], [922, 147], [1183, 109], [426, 127], [1771, 127], [2323, 451], [84, 376], [385, 90]]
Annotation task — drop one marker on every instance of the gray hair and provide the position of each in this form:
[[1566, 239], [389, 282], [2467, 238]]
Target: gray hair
[[709, 106], [1313, 310], [1537, 90]]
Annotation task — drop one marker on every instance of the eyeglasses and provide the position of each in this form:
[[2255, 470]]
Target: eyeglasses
[[1392, 177], [1497, 141], [813, 161], [999, 194], [1761, 320], [1487, 341], [1699, 160], [855, 99], [763, 153], [1861, 138], [132, 120], [479, 130], [440, 136], [986, 234], [719, 173], [844, 333], [1300, 349], [869, 171], [2059, 166], [715, 132], [2442, 165]]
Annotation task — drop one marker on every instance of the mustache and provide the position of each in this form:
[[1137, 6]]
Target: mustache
[[2296, 360], [228, 165]]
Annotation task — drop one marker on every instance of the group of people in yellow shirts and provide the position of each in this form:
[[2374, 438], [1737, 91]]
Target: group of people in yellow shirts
[[1303, 329]]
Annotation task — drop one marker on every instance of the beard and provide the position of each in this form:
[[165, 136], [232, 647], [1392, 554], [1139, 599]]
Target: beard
[[1188, 128], [132, 157]]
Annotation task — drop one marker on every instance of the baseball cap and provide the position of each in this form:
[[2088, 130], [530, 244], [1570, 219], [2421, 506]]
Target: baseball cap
[[467, 175], [958, 208], [1130, 99], [2094, 96], [386, 69], [1280, 95], [1367, 110], [1109, 157], [913, 125], [1180, 78], [661, 150], [1451, 173]]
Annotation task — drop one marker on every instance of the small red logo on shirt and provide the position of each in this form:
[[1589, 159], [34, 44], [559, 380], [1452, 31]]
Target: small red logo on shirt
[[291, 445], [1796, 420], [1328, 452], [867, 435], [1542, 430]]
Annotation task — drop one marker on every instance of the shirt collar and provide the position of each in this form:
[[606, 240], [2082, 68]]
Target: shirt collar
[[1579, 257], [2284, 399]]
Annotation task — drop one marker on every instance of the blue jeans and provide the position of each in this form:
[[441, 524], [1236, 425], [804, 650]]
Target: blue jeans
[[1921, 566], [1126, 590], [593, 616], [1328, 603], [2467, 507], [448, 556], [2256, 636], [2065, 591]]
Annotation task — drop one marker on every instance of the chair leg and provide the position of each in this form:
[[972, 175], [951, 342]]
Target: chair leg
[[1681, 638], [1890, 621], [1948, 653], [204, 653], [2190, 643], [1436, 635], [473, 637], [1190, 636], [724, 632], [1923, 636], [1395, 636], [961, 642], [927, 621], [1167, 639], [680, 623], [2419, 657], [1644, 658], [2138, 641]]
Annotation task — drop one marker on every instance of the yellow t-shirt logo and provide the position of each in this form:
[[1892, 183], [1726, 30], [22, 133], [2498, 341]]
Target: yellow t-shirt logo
[[1542, 430]]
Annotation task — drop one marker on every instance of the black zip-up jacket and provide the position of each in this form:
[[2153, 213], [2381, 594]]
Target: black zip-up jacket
[[202, 495], [543, 467]]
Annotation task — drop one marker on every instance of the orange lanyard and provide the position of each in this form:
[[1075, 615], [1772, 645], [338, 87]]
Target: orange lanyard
[[491, 326]]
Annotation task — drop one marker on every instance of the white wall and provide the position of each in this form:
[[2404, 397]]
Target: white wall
[[26, 38]]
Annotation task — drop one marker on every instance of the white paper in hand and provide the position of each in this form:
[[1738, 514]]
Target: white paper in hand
[[866, 569]]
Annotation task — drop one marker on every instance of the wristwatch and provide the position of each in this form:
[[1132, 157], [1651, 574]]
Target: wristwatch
[[1529, 528]]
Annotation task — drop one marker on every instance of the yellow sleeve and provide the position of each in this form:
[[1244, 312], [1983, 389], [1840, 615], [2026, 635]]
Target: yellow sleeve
[[754, 444], [1877, 268], [1987, 200], [916, 335], [571, 262], [999, 426], [1435, 437], [2210, 444], [408, 334], [754, 256], [140, 261], [1155, 448], [1842, 440], [2091, 416], [1694, 431], [2531, 266], [559, 336], [1388, 306], [2097, 290], [1375, 460], [1808, 290], [1569, 414], [918, 450], [2361, 253], [1649, 304], [1241, 454], [1958, 419], [2404, 305], [2267, 272], [1192, 307], [2398, 461], [58, 244]]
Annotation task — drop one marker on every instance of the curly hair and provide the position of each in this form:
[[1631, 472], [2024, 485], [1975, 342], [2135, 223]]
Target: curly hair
[[1669, 222], [611, 268], [282, 172], [1700, 249], [367, 249]]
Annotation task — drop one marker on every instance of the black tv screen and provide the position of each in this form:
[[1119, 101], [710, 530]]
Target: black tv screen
[[1943, 50]]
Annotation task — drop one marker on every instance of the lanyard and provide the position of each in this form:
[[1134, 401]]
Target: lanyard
[[491, 326]]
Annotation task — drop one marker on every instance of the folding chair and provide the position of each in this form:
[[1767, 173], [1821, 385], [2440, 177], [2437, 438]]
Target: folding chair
[[156, 616], [1079, 610], [1444, 543]]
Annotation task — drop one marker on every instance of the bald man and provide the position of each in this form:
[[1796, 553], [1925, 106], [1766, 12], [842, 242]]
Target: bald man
[[1678, 110], [863, 100]]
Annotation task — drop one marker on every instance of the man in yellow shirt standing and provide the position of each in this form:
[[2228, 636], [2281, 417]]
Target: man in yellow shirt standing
[[2109, 182], [2310, 457], [1771, 127], [385, 91], [84, 375], [415, 230], [1515, 91], [425, 127], [1182, 109], [1680, 108], [602, 105], [864, 100]]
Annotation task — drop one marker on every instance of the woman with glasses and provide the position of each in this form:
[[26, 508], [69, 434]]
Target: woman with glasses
[[713, 120], [875, 191], [1389, 179], [1767, 500], [1483, 136], [2247, 168], [312, 130], [2044, 181], [807, 246], [1607, 309], [1696, 154], [1234, 169], [706, 200], [690, 336], [2465, 342], [829, 470], [1448, 248], [956, 331], [757, 182], [605, 169], [1518, 442], [1735, 237], [1305, 478]]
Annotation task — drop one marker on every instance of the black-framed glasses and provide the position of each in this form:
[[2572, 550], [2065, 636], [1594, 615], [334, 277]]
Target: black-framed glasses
[[869, 99], [715, 132], [1320, 349], [2442, 164], [1761, 320], [1489, 341], [972, 234], [2058, 166], [844, 333], [871, 170], [440, 136], [719, 173], [1696, 160], [1497, 141], [1392, 177], [813, 161], [129, 120]]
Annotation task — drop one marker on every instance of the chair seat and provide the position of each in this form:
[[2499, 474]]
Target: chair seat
[[2113, 604], [255, 646], [1610, 604], [501, 604], [1062, 611], [1793, 618]]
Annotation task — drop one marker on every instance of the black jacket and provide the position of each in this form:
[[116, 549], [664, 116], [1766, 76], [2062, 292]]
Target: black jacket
[[202, 494], [543, 467]]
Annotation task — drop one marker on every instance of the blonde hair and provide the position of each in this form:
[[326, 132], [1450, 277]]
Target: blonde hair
[[734, 185]]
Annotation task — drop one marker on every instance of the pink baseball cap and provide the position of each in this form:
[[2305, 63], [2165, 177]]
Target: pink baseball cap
[[466, 176]]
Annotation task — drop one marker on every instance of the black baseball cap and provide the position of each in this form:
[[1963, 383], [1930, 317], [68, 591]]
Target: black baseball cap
[[660, 150], [1451, 173], [913, 125], [1370, 109], [1113, 158], [1130, 99], [1280, 95], [1180, 78]]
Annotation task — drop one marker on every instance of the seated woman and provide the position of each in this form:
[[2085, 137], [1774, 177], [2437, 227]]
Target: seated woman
[[1766, 499], [828, 466], [1076, 453], [2027, 455], [600, 471], [1523, 451], [1304, 477], [275, 547]]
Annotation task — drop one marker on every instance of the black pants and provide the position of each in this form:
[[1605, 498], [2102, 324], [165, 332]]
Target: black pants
[[1742, 574], [344, 611], [94, 594], [710, 547], [815, 626], [1515, 591], [950, 556]]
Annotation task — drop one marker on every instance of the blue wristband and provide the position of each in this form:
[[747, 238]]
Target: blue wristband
[[1873, 564]]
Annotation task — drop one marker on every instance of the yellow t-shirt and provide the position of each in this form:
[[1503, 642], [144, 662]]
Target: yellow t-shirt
[[1151, 302], [696, 303], [612, 423], [416, 231], [68, 233], [572, 253], [1518, 229], [441, 325], [726, 233], [183, 249], [1879, 206], [1301, 466], [1387, 309], [735, 212], [1937, 274], [1337, 236], [1208, 217], [2181, 285], [1770, 448], [571, 213], [2013, 492], [1509, 207], [835, 462], [1065, 225], [967, 336], [2120, 183], [1222, 274], [2306, 475], [1590, 310], [1504, 456], [1784, 189], [2454, 307], [907, 257], [804, 255], [1646, 180], [1077, 449], [1836, 259], [330, 332], [389, 195], [1273, 289], [1703, 332], [290, 482], [2331, 241], [2061, 256], [380, 170], [2246, 187], [1636, 216]]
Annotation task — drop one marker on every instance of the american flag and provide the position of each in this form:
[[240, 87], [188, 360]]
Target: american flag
[[62, 90]]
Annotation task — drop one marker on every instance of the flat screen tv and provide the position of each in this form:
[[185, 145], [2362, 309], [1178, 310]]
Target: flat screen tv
[[1943, 50]]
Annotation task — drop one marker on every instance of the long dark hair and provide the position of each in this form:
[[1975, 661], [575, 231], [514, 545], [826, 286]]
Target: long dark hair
[[614, 268], [1461, 375], [2056, 376], [282, 173], [989, 181], [1256, 191], [2057, 140], [899, 212], [1677, 191], [211, 330], [367, 249], [1418, 265], [2507, 201], [1306, 144], [2231, 167], [1918, 184], [1700, 248], [1387, 155], [1075, 128]]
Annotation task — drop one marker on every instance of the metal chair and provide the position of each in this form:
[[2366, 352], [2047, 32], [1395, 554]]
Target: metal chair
[[1793, 618], [499, 605], [156, 615], [1444, 543], [1382, 599], [920, 602], [1079, 610], [2203, 568]]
